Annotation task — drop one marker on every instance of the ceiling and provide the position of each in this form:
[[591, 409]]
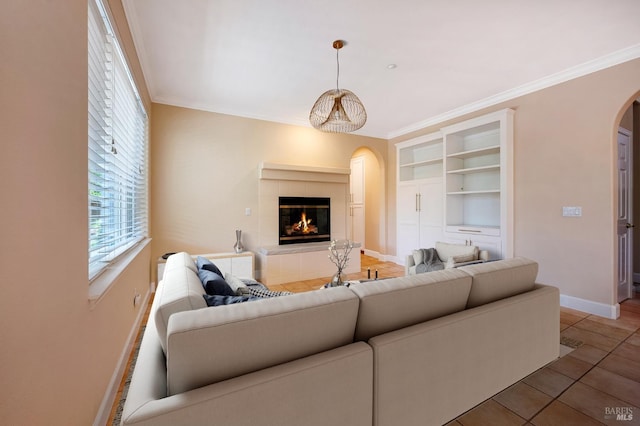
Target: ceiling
[[271, 60]]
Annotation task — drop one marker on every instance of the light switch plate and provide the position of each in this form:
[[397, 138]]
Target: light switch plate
[[575, 211]]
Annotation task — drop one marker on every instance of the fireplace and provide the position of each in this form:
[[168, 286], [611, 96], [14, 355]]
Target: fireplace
[[304, 219]]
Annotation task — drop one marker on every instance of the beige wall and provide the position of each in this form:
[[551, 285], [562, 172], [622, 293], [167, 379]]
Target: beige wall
[[57, 354], [565, 156], [205, 173]]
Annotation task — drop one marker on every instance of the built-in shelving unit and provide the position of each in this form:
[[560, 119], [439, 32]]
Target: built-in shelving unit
[[467, 168]]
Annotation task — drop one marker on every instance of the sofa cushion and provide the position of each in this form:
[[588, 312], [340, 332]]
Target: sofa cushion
[[215, 344], [395, 303], [447, 250], [180, 260], [214, 283], [180, 290], [497, 280]]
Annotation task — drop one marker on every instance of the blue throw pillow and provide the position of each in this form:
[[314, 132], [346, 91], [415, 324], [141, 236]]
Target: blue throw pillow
[[214, 284], [204, 263]]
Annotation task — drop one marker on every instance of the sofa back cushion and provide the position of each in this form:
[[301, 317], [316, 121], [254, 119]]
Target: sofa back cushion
[[463, 252], [180, 290], [181, 260], [215, 344], [391, 304], [497, 280]]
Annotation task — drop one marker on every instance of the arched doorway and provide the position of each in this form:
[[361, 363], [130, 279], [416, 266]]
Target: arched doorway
[[367, 201], [628, 196]]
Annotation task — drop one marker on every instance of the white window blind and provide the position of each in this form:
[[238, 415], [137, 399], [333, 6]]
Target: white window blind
[[118, 138]]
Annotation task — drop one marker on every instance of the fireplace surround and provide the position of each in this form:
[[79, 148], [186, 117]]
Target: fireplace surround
[[304, 220]]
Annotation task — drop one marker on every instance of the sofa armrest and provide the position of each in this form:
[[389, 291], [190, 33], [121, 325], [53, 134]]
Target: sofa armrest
[[409, 262], [149, 379]]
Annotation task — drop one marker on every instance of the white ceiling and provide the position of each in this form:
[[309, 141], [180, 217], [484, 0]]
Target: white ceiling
[[271, 60]]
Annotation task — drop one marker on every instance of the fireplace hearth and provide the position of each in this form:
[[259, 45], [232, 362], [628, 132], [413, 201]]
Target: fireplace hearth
[[304, 219]]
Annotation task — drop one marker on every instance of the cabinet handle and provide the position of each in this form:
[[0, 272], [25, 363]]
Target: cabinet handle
[[417, 202]]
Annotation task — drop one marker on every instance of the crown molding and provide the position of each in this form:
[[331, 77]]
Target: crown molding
[[612, 59]]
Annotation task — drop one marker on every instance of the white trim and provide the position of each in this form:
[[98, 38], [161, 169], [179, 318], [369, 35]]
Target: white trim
[[589, 67], [275, 171], [373, 253], [112, 390], [595, 308], [102, 283]]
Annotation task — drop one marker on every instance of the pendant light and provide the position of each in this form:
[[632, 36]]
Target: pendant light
[[339, 110]]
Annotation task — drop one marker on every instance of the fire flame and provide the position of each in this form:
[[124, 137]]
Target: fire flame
[[304, 225]]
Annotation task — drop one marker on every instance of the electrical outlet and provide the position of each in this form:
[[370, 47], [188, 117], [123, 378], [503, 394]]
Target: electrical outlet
[[136, 297]]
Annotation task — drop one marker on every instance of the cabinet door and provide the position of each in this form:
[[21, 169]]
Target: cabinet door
[[408, 229], [242, 266], [356, 180], [356, 212], [430, 200]]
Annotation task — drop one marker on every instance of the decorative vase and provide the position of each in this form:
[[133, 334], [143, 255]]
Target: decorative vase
[[238, 247], [338, 279]]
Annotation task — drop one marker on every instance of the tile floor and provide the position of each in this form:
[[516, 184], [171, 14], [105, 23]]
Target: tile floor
[[590, 385]]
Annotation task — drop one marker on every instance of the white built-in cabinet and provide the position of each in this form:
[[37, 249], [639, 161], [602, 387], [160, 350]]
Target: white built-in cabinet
[[419, 193], [456, 185]]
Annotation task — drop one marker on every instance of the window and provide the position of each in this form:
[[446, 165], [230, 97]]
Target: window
[[118, 138]]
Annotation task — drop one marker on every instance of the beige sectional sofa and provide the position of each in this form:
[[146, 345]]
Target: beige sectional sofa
[[415, 350]]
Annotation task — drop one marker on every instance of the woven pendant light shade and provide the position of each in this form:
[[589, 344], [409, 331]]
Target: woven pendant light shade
[[338, 110]]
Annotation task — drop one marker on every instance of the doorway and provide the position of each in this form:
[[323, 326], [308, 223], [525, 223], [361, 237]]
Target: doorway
[[628, 206], [625, 214], [367, 200]]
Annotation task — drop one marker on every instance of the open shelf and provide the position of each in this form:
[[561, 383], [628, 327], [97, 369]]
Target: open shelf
[[487, 191], [475, 152], [472, 170], [422, 163]]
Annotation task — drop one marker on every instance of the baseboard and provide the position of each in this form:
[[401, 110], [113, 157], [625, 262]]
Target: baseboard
[[384, 257], [588, 306], [373, 254], [110, 396]]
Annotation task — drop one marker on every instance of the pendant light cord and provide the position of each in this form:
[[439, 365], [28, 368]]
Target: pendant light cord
[[338, 70]]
